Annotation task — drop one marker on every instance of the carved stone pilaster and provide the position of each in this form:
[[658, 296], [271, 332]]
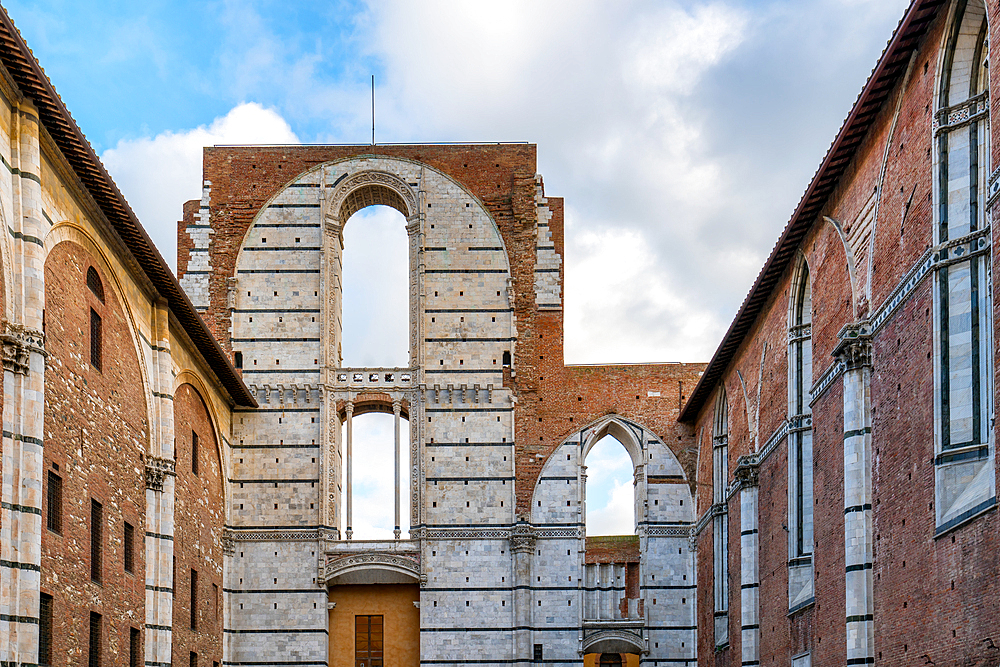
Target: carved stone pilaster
[[639, 475], [522, 539], [231, 287], [156, 469], [18, 344]]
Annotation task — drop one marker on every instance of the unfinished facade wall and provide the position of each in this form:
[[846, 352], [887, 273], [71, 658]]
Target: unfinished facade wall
[[485, 394]]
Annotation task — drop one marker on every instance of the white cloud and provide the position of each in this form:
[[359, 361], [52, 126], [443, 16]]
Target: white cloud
[[158, 174], [610, 492]]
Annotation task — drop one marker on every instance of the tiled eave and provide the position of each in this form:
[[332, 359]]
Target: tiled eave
[[883, 79], [53, 115]]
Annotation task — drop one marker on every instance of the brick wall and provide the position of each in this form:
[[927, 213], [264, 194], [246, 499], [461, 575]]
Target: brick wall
[[199, 515], [96, 433]]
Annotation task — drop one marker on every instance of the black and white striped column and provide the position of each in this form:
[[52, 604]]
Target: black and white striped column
[[855, 352], [747, 477]]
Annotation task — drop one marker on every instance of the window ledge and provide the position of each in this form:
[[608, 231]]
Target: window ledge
[[966, 517], [802, 606]]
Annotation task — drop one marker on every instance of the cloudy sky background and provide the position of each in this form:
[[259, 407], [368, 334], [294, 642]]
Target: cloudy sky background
[[682, 134]]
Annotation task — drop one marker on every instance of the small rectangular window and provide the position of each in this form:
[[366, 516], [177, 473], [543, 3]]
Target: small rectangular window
[[194, 599], [96, 539], [45, 630], [538, 652], [193, 660], [238, 359], [134, 648], [129, 548], [53, 496], [94, 647], [95, 339], [194, 452]]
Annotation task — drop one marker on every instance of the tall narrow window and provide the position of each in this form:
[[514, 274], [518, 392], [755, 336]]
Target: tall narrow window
[[194, 599], [129, 548], [193, 659], [95, 284], [368, 641], [53, 497], [720, 521], [194, 452], [95, 339], [95, 643], [965, 481], [96, 540], [215, 601], [45, 630], [134, 647], [800, 454]]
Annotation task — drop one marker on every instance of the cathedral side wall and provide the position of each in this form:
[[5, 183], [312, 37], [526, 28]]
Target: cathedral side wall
[[912, 616], [199, 517], [96, 432]]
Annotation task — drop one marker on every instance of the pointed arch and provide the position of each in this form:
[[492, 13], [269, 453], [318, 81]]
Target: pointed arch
[[963, 349]]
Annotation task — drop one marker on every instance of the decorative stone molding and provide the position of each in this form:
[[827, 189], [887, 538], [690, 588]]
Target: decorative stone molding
[[352, 193], [963, 113], [156, 469], [18, 344], [228, 543], [522, 539], [249, 535], [337, 565]]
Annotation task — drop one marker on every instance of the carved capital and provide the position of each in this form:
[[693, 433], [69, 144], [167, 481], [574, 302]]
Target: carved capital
[[18, 344], [747, 473], [855, 347], [228, 543], [156, 469], [522, 539]]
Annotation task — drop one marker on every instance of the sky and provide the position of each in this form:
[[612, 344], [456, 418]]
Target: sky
[[681, 134]]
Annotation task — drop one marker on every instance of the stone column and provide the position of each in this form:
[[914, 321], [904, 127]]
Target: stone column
[[522, 546], [160, 478], [349, 408], [24, 396], [854, 351], [396, 406], [746, 475]]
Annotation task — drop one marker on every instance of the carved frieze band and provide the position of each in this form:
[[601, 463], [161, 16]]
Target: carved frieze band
[[251, 535]]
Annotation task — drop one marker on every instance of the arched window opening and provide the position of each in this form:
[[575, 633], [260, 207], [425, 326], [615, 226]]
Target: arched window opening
[[372, 484], [800, 449], [720, 522], [610, 490], [963, 303], [95, 284], [376, 288]]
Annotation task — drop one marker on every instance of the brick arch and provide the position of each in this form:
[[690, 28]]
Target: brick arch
[[189, 377], [108, 270], [199, 521], [96, 436]]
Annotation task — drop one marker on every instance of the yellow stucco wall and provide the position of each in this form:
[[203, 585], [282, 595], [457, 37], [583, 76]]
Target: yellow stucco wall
[[401, 622]]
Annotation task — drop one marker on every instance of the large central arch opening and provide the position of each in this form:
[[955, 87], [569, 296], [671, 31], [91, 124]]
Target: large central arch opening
[[375, 284]]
